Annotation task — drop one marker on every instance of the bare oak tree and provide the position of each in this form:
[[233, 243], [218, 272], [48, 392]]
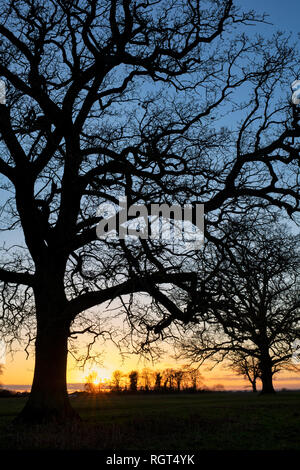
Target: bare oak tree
[[126, 98], [246, 365], [252, 303]]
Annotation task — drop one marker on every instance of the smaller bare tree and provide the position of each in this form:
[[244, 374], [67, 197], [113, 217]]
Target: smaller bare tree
[[245, 365], [249, 301], [178, 378], [116, 380], [195, 378], [168, 379], [146, 376], [158, 379]]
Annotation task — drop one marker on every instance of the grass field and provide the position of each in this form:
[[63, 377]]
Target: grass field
[[211, 421]]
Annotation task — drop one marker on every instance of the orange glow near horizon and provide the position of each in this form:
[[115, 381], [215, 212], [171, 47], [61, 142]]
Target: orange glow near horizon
[[100, 374], [19, 371]]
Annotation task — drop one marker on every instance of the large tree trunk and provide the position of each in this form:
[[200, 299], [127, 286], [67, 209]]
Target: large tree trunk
[[266, 375], [48, 400]]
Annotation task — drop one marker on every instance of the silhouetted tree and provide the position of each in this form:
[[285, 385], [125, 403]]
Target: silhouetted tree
[[168, 379], [116, 380], [146, 378], [253, 306], [133, 378], [178, 377], [158, 380], [115, 97], [246, 365], [195, 378]]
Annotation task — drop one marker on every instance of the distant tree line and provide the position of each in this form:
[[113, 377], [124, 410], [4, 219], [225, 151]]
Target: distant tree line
[[146, 380]]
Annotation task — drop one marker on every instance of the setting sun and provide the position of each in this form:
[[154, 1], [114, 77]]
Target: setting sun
[[96, 376]]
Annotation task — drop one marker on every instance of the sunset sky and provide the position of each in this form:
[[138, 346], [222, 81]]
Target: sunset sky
[[19, 370]]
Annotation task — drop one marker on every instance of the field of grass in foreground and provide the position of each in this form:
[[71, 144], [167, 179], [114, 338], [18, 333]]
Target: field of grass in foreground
[[208, 421]]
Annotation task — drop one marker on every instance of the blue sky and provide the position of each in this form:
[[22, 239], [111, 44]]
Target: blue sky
[[284, 14]]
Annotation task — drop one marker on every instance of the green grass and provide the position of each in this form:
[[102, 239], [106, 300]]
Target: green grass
[[212, 421]]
